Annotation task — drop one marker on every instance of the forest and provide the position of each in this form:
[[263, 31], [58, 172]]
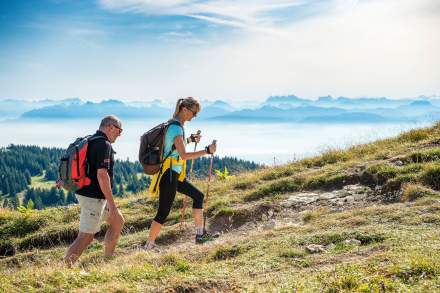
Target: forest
[[21, 165]]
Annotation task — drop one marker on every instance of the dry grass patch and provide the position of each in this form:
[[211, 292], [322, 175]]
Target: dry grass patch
[[412, 192]]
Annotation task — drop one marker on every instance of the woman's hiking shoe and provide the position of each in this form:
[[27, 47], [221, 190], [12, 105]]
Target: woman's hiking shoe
[[205, 237]]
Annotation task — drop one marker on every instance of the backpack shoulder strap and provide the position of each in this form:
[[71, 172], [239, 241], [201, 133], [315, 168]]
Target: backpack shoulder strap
[[176, 122], [91, 138]]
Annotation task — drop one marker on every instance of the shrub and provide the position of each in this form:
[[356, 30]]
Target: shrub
[[279, 187], [378, 174], [176, 261], [418, 267], [395, 184], [57, 236], [414, 135], [425, 156], [329, 182], [227, 252], [411, 169], [332, 237], [331, 157], [21, 225], [244, 185], [285, 172], [6, 247], [308, 216], [431, 177], [412, 192], [293, 253]]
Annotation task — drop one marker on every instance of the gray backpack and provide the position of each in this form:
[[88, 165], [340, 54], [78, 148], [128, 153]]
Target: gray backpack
[[151, 148]]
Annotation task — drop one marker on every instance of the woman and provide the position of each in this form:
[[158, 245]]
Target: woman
[[172, 178]]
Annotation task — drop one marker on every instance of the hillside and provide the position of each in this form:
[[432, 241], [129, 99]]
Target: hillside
[[365, 219]]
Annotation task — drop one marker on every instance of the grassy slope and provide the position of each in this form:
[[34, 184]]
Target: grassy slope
[[400, 248]]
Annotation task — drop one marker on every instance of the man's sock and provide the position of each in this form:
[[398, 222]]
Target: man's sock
[[150, 244]]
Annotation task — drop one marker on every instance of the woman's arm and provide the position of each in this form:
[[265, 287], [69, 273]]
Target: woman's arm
[[180, 147]]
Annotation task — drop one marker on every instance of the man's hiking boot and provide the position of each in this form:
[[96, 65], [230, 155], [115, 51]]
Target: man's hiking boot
[[151, 247], [205, 237]]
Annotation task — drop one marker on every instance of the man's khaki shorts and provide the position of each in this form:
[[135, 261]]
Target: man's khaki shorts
[[93, 212]]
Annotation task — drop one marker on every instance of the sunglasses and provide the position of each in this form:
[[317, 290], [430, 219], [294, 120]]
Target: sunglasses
[[117, 127], [194, 113]]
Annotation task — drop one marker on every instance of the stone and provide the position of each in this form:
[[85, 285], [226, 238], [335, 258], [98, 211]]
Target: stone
[[360, 196], [340, 202], [269, 225], [330, 246], [399, 163], [315, 248], [270, 213], [355, 189], [342, 193], [327, 196], [301, 198], [353, 241], [349, 199]]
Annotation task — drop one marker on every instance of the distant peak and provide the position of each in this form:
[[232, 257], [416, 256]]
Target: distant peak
[[325, 99], [283, 99], [421, 103], [112, 102]]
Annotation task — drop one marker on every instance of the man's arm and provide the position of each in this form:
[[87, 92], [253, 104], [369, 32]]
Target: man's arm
[[106, 188]]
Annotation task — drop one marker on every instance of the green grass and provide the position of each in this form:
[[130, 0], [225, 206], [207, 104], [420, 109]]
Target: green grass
[[40, 182], [392, 253]]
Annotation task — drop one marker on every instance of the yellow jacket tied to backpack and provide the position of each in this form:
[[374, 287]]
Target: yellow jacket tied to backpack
[[154, 185]]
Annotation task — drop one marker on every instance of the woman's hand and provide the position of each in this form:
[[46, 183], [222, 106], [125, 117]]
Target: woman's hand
[[212, 148], [195, 137]]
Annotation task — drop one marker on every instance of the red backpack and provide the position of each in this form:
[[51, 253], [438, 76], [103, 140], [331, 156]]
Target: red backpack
[[73, 167]]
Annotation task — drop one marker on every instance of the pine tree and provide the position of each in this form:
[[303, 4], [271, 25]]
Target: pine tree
[[121, 190], [27, 174], [5, 203], [71, 198], [15, 201], [30, 205], [38, 203]]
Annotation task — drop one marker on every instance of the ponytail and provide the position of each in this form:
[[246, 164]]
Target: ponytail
[[177, 110]]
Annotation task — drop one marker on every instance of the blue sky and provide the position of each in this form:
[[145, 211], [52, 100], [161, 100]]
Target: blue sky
[[233, 50]]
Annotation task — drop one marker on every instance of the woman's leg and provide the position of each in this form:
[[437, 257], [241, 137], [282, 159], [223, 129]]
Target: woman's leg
[[197, 196], [167, 193]]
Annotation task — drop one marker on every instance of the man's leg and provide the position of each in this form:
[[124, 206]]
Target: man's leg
[[89, 224], [112, 235], [78, 246]]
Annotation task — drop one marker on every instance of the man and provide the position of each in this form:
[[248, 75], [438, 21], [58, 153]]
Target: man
[[96, 199]]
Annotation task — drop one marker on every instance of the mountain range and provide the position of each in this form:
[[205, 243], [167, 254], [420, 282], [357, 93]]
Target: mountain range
[[290, 108]]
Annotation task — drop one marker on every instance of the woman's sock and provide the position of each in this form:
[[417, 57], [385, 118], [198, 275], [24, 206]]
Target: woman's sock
[[199, 230]]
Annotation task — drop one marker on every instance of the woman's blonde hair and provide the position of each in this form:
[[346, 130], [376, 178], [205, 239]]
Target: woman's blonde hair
[[188, 102]]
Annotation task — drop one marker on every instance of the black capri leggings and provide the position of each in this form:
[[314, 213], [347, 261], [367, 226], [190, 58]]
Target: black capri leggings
[[167, 192]]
